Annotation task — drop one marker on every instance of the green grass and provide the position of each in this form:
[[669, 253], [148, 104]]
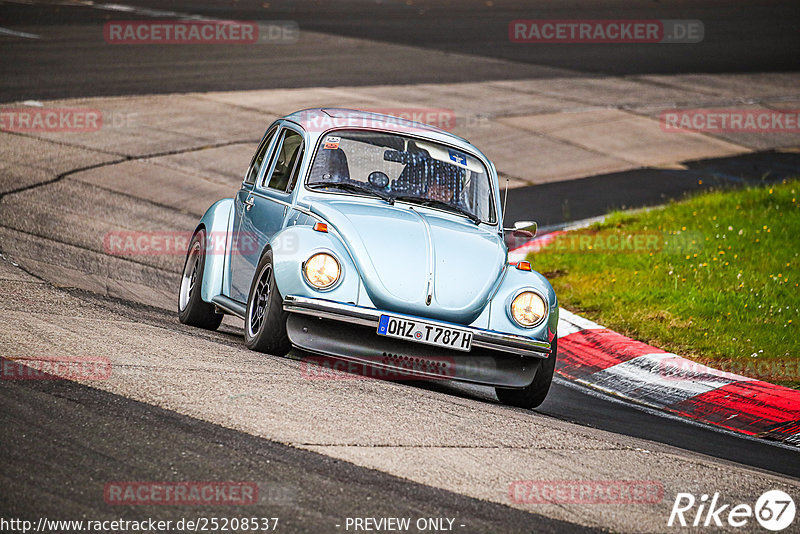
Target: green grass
[[722, 287]]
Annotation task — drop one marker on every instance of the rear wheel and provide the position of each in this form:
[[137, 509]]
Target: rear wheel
[[265, 321], [192, 310], [534, 394]]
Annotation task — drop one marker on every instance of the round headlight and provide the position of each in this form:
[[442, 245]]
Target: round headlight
[[528, 309], [321, 270]]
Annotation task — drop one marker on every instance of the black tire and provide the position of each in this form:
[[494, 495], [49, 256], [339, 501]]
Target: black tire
[[534, 394], [265, 320], [192, 310]]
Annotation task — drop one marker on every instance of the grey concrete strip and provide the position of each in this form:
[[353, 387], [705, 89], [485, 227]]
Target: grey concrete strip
[[612, 145], [81, 215], [592, 139], [741, 87], [602, 91], [15, 177], [71, 266], [473, 103], [281, 102], [755, 140], [535, 158], [26, 160], [9, 271], [188, 192], [223, 165], [140, 126], [640, 141]]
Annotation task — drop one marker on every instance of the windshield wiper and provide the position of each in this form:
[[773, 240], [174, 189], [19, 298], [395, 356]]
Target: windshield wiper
[[440, 204], [350, 186]]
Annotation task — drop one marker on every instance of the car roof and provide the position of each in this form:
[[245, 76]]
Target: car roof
[[319, 119]]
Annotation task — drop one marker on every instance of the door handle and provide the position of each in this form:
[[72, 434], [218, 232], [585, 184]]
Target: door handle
[[249, 203]]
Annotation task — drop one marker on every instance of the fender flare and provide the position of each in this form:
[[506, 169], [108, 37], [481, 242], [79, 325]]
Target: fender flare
[[217, 223]]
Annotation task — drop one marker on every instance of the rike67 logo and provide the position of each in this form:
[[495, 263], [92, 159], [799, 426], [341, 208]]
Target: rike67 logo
[[774, 510]]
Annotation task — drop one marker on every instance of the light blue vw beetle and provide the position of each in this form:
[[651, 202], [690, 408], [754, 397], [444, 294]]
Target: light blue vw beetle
[[378, 241]]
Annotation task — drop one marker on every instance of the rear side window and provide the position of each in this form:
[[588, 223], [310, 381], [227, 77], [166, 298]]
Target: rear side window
[[287, 162], [258, 159]]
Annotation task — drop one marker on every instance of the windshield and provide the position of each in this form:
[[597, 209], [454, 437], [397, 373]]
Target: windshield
[[406, 169]]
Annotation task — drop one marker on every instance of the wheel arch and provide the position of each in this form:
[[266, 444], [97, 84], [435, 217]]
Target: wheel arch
[[217, 222]]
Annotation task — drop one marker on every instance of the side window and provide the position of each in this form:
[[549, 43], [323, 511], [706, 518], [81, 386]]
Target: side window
[[287, 163], [258, 159], [296, 170]]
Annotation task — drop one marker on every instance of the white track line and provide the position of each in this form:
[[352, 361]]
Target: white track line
[[6, 31]]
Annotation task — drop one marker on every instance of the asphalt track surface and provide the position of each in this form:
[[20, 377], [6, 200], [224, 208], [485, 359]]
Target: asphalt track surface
[[61, 438], [71, 58], [84, 436]]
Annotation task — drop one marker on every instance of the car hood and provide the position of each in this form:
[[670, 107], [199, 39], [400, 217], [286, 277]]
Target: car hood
[[406, 252]]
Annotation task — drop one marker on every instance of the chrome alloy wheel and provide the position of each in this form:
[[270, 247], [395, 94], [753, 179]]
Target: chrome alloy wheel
[[189, 277], [260, 300]]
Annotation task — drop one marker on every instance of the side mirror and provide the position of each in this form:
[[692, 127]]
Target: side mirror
[[523, 229]]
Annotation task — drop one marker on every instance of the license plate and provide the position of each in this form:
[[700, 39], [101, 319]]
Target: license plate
[[422, 332]]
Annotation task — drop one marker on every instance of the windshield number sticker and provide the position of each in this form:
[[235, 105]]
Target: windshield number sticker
[[457, 158]]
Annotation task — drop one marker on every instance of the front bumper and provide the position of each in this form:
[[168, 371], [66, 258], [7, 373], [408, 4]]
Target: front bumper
[[358, 315]]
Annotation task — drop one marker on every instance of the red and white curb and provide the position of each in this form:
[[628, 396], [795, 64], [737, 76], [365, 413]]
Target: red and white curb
[[604, 360], [601, 359]]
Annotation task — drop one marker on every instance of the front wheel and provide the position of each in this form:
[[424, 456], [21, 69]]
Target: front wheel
[[192, 309], [265, 321], [534, 394]]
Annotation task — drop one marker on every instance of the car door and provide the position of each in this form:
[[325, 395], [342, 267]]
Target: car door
[[243, 250], [266, 206]]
